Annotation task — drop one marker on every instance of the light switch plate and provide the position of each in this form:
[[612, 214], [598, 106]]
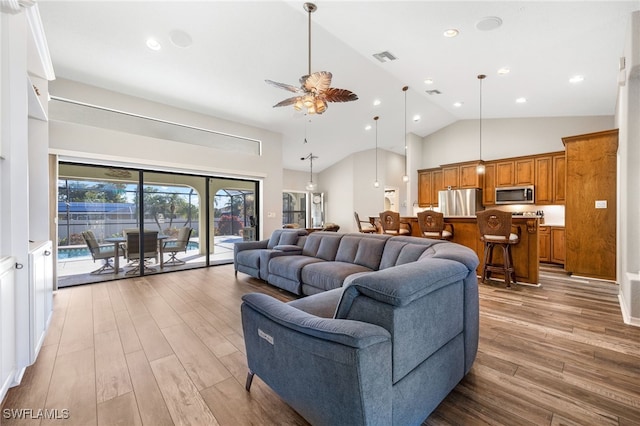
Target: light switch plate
[[601, 204]]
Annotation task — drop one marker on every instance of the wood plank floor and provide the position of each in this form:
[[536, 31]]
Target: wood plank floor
[[168, 349]]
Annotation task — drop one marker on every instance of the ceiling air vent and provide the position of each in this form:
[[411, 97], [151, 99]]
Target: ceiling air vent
[[434, 92], [384, 56]]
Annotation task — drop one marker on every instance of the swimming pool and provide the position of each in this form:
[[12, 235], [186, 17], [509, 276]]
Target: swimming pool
[[80, 252]]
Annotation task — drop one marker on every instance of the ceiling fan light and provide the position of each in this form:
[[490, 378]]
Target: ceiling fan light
[[308, 101], [298, 104], [321, 106]]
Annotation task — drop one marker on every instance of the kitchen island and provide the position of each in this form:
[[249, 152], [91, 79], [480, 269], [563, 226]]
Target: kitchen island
[[525, 254]]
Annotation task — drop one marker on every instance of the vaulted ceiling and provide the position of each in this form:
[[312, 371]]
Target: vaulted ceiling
[[215, 56]]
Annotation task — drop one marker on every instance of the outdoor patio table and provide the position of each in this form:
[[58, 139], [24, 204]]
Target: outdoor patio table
[[119, 240]]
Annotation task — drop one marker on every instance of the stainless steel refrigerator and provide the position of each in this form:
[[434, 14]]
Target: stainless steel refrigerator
[[460, 202]]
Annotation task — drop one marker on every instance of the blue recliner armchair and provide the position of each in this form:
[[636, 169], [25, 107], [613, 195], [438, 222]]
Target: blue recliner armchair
[[384, 349]]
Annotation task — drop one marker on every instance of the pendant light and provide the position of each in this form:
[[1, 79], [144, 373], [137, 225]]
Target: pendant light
[[311, 186], [376, 184], [405, 177], [480, 169]]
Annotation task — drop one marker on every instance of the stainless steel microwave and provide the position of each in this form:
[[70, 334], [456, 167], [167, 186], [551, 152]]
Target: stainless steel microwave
[[515, 195]]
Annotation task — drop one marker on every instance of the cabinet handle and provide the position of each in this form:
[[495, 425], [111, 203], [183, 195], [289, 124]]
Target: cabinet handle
[[19, 265], [47, 253]]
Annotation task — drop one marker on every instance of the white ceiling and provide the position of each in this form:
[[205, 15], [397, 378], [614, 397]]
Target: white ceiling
[[239, 44]]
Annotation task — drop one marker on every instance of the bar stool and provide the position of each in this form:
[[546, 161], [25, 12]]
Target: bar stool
[[391, 224], [368, 228], [432, 225], [495, 230]]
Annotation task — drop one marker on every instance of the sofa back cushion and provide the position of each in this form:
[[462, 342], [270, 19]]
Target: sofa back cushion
[[400, 252], [322, 244], [282, 237], [361, 249]]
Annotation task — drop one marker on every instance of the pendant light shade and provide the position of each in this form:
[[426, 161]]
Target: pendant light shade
[[480, 169], [376, 184], [405, 177]]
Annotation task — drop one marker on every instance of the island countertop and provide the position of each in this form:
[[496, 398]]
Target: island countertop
[[525, 253]]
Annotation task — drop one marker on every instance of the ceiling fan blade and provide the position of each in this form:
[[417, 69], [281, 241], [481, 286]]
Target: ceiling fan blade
[[286, 102], [284, 86], [317, 82], [339, 95]]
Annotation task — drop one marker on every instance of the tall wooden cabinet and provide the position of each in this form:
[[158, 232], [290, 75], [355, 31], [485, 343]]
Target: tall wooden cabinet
[[590, 212]]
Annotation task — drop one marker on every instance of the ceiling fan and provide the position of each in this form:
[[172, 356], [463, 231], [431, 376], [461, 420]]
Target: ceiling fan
[[314, 91]]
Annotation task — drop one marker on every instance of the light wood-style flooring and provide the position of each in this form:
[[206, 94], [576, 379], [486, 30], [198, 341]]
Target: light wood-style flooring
[[168, 349]]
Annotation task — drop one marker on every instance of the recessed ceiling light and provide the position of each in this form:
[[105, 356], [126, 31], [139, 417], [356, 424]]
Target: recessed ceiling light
[[376, 102], [416, 118], [503, 71], [576, 79], [428, 81], [180, 39], [489, 23], [153, 44], [458, 104], [367, 127], [451, 32], [521, 100]]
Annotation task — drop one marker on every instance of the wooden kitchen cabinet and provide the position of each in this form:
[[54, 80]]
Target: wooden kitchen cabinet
[[559, 178], [591, 204], [544, 241], [515, 172], [450, 177], [544, 180], [551, 244], [505, 173], [489, 185], [557, 245], [525, 172], [550, 179], [429, 183], [469, 176]]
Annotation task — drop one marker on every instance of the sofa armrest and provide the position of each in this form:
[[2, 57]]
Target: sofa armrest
[[250, 245], [346, 332]]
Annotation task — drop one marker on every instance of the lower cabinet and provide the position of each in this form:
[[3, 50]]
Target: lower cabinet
[[40, 294], [8, 365], [551, 244]]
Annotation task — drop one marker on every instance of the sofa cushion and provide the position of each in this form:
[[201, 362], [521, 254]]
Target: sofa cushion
[[329, 275], [290, 267], [364, 250], [322, 244]]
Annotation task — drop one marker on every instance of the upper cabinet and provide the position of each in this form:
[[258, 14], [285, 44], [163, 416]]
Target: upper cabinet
[[462, 175], [545, 171], [429, 183], [550, 178], [489, 187], [515, 172]]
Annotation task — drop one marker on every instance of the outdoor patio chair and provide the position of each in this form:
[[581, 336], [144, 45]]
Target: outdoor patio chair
[[132, 250], [103, 252], [174, 246]]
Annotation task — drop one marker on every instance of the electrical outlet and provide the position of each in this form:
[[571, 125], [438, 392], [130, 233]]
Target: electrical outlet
[[271, 214], [601, 204]]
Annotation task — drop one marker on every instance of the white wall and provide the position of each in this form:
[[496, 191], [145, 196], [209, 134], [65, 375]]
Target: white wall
[[71, 140], [628, 111], [505, 137], [337, 184]]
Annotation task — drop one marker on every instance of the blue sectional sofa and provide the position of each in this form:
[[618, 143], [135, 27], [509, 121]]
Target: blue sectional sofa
[[389, 328]]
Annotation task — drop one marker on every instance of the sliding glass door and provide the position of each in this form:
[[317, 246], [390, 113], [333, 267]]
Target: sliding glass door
[[115, 223]]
